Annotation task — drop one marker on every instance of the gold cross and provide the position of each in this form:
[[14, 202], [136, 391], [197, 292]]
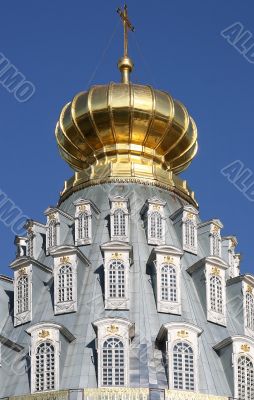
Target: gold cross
[[126, 26]]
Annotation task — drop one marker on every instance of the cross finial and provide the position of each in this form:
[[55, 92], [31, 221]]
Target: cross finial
[[125, 64], [126, 26]]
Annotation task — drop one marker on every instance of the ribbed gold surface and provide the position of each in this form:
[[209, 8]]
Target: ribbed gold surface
[[126, 120]]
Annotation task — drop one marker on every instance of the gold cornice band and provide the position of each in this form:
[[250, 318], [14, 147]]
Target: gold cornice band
[[128, 172]]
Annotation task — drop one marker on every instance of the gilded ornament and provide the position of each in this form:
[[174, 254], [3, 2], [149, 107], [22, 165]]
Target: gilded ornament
[[183, 334], [216, 229], [113, 329], [30, 229], [52, 216], [116, 256], [169, 260], [215, 271], [249, 289], [22, 271], [190, 216], [64, 259], [245, 347], [43, 334], [82, 208]]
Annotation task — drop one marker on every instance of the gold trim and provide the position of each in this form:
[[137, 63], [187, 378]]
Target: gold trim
[[169, 260], [215, 271], [128, 173], [43, 334], [249, 289], [172, 394], [65, 260], [22, 271], [245, 347], [183, 334], [113, 329], [116, 256]]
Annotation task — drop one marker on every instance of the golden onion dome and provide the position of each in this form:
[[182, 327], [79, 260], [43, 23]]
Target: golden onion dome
[[127, 120], [133, 129]]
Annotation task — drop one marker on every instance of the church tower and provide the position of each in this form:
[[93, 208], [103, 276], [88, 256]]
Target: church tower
[[121, 292]]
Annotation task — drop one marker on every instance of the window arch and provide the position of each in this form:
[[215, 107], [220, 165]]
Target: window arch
[[245, 375], [249, 311], [216, 298], [190, 231], [119, 225], [65, 284], [168, 283], [183, 366], [45, 367], [113, 361], [83, 226], [116, 279], [156, 225], [22, 294], [52, 234]]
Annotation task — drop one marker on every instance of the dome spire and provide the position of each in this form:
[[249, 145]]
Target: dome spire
[[125, 64]]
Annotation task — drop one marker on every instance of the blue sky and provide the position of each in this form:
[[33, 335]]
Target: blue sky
[[63, 46]]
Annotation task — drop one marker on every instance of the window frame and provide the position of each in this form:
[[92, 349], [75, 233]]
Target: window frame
[[167, 256], [215, 267], [183, 372], [84, 212], [215, 243], [248, 308], [67, 305], [116, 302], [116, 357], [111, 252], [43, 374], [172, 333], [189, 232], [119, 205], [216, 296], [244, 384], [120, 328], [157, 210], [25, 315], [41, 333]]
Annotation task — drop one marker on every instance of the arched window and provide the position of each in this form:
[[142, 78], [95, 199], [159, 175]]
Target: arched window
[[45, 367], [168, 283], [116, 279], [83, 226], [155, 225], [216, 299], [113, 362], [245, 374], [249, 311], [22, 294], [183, 367], [119, 226], [65, 284], [216, 244], [190, 233], [52, 235]]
